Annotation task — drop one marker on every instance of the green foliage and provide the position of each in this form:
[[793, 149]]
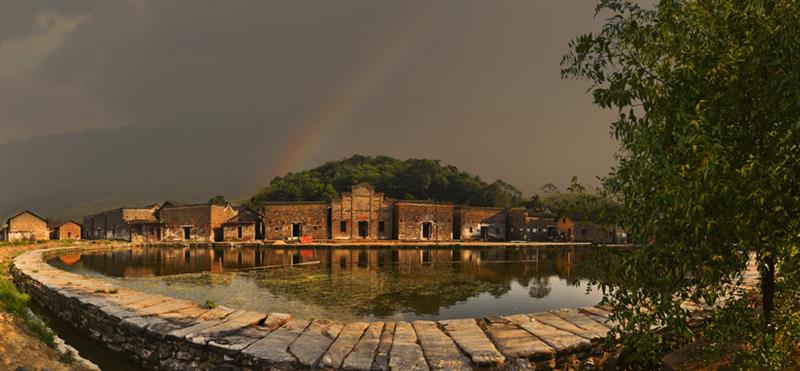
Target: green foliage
[[582, 205], [218, 200], [709, 127], [209, 304], [16, 303], [418, 179]]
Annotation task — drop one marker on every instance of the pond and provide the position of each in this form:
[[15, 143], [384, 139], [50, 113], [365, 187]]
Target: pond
[[358, 283]]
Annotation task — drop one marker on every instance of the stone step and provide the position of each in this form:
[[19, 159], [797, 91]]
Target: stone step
[[363, 354], [312, 344], [515, 342], [473, 341], [273, 349], [439, 349], [406, 354], [385, 345], [347, 339], [561, 341]]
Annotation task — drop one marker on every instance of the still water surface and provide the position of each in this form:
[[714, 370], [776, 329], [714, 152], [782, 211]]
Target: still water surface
[[354, 283]]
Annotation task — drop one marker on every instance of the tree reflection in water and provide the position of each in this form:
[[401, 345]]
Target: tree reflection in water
[[375, 282]]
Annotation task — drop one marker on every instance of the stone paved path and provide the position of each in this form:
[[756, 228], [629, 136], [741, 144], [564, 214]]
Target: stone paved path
[[197, 337]]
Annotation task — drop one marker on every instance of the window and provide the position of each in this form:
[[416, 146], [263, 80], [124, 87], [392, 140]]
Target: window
[[343, 226], [276, 228], [381, 226], [239, 231]]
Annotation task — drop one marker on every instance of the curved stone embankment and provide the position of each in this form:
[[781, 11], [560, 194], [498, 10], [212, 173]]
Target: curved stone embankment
[[172, 334]]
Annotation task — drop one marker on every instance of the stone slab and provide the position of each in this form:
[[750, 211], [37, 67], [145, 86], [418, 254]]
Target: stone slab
[[576, 318], [382, 355], [515, 342], [406, 354], [561, 341], [312, 344], [440, 350], [231, 344], [166, 307], [363, 354], [275, 320], [233, 322], [274, 348], [473, 341], [344, 344], [551, 319]]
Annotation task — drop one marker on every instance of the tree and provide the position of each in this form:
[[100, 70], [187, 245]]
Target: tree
[[709, 128], [218, 200]]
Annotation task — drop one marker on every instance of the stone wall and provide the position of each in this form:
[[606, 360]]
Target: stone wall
[[480, 223], [414, 219], [310, 217]]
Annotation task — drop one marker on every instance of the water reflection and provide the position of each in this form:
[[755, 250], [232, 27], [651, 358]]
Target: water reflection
[[362, 283]]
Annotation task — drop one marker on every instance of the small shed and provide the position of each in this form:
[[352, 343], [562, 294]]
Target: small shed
[[245, 226], [69, 230]]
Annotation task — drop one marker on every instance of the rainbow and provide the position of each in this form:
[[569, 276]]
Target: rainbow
[[378, 64]]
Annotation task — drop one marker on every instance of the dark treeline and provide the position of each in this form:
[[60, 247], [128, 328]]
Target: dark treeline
[[412, 179]]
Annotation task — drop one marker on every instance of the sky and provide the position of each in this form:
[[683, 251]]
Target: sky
[[257, 89]]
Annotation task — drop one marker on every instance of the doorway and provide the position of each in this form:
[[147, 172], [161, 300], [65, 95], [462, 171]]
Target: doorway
[[363, 229], [297, 230], [187, 233], [484, 233], [427, 229]]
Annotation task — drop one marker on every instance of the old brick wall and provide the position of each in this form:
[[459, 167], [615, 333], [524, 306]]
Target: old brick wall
[[279, 217], [116, 227], [145, 232], [69, 231], [410, 217], [231, 232], [473, 220], [175, 218], [362, 204], [27, 226]]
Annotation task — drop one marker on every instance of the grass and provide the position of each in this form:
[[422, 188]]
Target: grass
[[15, 302], [209, 304]]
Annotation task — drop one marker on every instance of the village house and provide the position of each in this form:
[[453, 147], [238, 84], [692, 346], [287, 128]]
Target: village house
[[530, 225], [245, 226], [480, 223], [135, 224], [586, 231], [26, 226], [565, 227], [198, 222], [361, 213], [423, 221], [69, 230], [296, 220]]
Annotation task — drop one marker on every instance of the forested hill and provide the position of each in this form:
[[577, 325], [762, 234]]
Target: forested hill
[[413, 179]]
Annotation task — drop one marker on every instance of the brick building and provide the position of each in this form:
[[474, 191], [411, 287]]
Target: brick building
[[423, 221], [198, 222], [565, 227], [528, 225], [600, 233], [361, 213], [26, 226], [69, 230], [136, 224], [293, 220], [480, 223], [245, 226]]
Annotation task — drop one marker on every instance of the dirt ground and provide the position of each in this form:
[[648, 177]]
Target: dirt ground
[[18, 348]]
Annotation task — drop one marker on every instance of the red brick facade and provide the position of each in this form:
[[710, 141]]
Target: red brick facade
[[423, 221], [69, 231], [293, 220], [361, 214]]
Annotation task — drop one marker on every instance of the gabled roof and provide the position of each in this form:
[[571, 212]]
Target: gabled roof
[[29, 212]]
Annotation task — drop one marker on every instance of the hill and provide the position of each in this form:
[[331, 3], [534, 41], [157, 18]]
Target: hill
[[417, 179]]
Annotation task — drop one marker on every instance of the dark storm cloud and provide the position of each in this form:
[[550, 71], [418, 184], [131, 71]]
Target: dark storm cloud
[[475, 84]]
